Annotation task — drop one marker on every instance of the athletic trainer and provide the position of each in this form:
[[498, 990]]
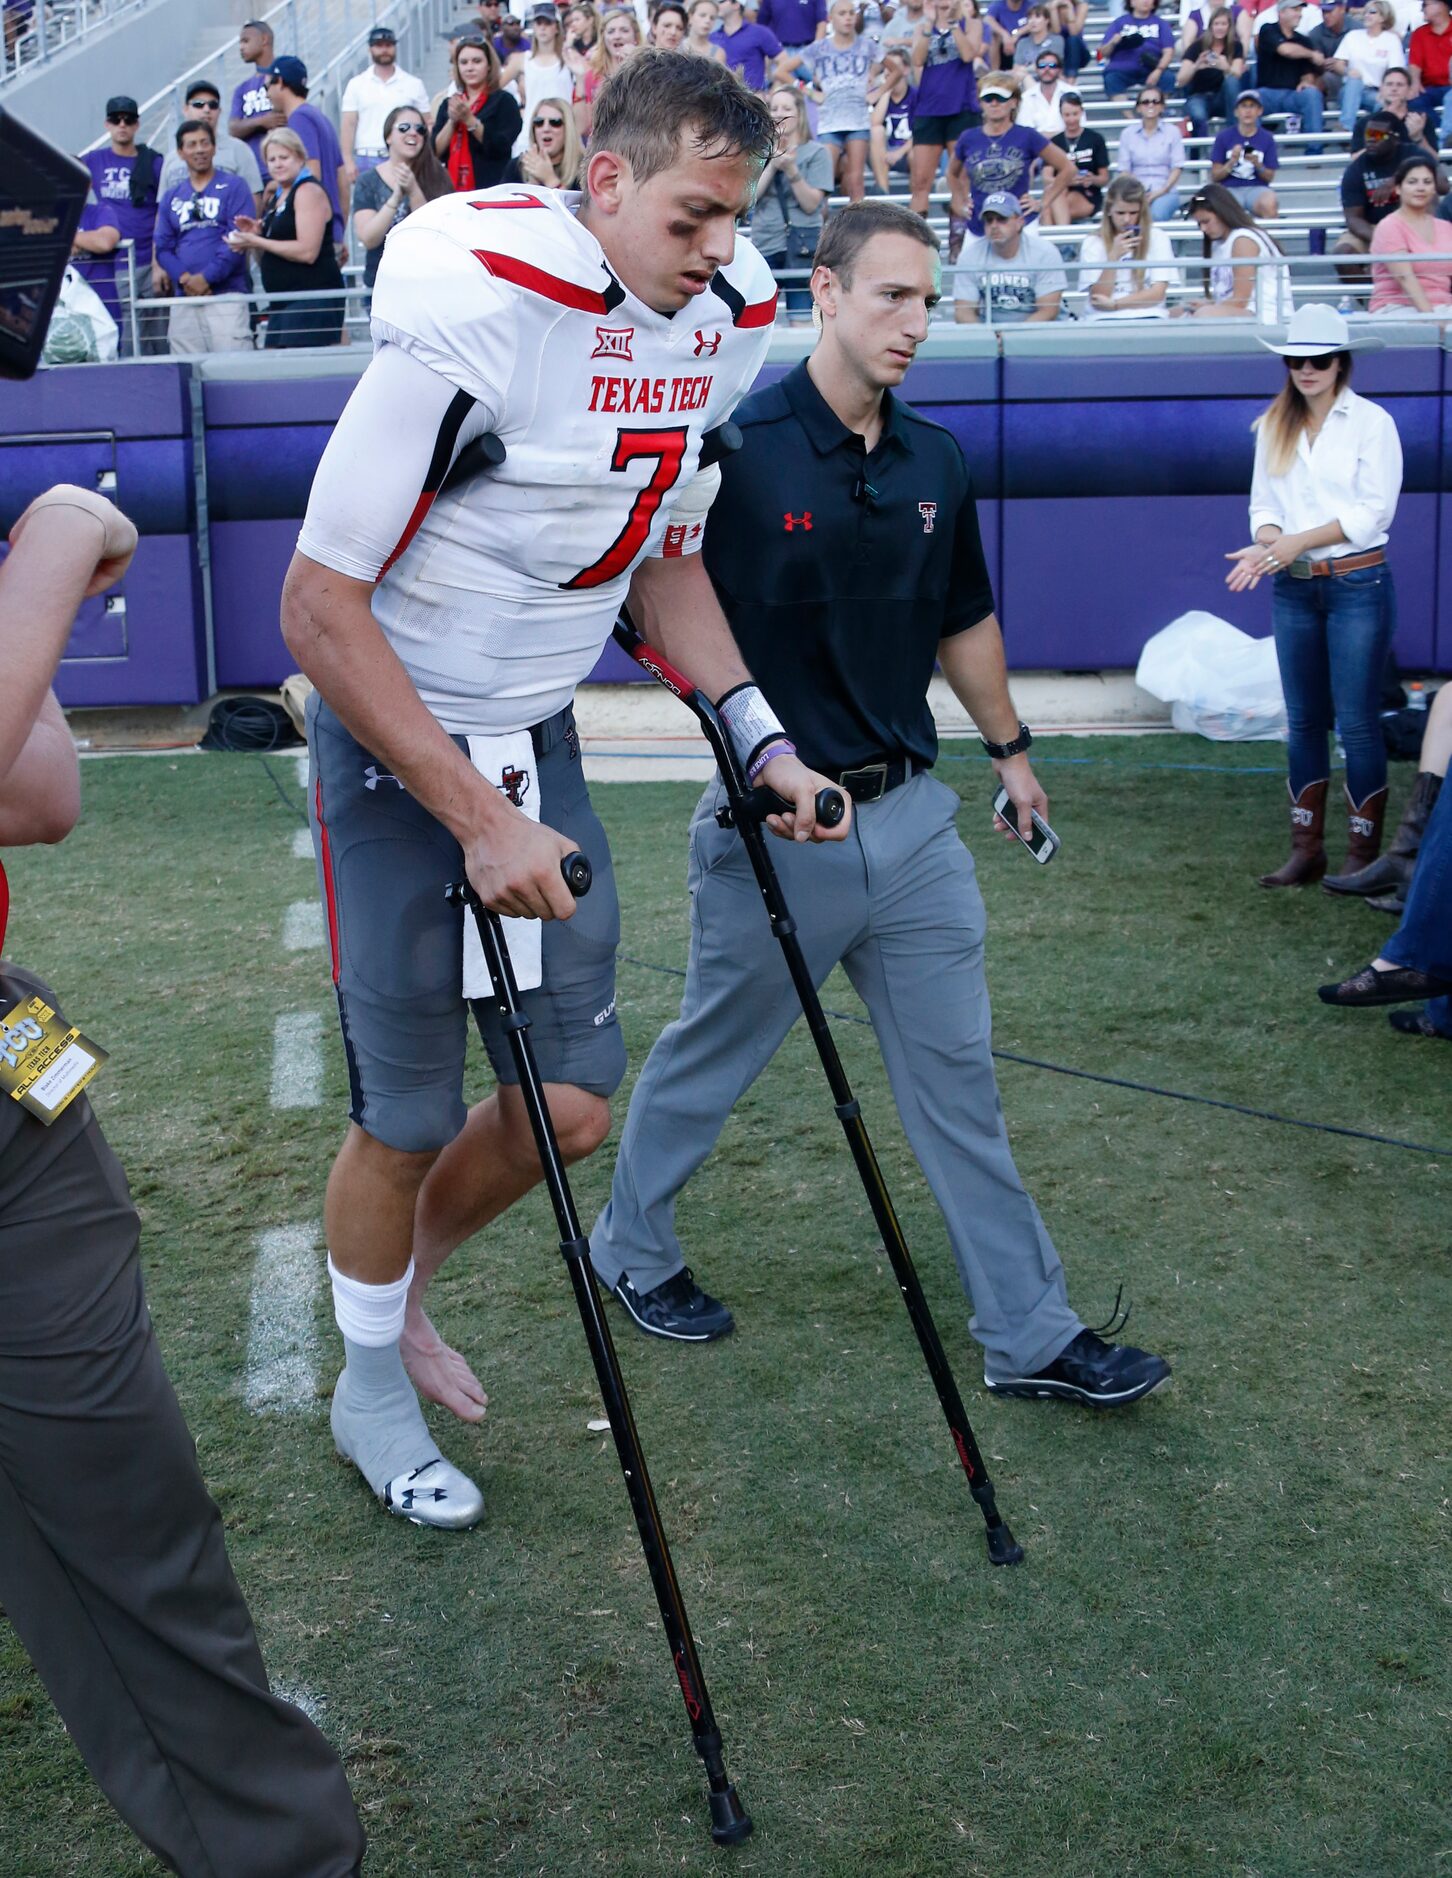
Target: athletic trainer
[[446, 618], [844, 546]]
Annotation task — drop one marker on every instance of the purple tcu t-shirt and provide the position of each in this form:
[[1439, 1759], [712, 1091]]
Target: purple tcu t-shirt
[[947, 85], [190, 226], [111, 175], [747, 51], [100, 269], [320, 141], [794, 22], [1128, 39], [1000, 162], [250, 100], [1243, 175]]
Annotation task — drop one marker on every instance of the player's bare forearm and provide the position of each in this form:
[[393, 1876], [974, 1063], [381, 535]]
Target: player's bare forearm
[[40, 795], [974, 666]]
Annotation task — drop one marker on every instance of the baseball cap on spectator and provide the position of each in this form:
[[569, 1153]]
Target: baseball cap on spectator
[[1000, 203], [121, 106], [1249, 92], [292, 72], [1290, 6], [465, 29], [383, 36], [543, 13]]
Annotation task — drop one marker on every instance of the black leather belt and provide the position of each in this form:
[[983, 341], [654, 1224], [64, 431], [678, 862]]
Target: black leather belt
[[869, 782]]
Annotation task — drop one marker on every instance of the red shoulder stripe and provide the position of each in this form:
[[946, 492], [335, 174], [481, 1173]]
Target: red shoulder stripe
[[763, 313], [549, 286]]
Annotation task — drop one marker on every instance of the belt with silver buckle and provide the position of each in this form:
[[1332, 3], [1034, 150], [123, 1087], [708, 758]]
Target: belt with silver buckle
[[1343, 564], [869, 782]]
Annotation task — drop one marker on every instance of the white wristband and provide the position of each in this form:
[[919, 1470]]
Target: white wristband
[[749, 720]]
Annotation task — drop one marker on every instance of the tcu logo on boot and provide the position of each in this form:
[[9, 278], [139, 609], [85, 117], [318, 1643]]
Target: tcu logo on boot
[[929, 513], [803, 521], [514, 783], [1301, 818], [707, 344], [1362, 825]]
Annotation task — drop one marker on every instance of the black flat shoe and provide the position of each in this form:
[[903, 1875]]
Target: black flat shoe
[[1397, 985], [1416, 1024]]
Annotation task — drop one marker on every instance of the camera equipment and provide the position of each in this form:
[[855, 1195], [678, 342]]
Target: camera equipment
[[42, 196]]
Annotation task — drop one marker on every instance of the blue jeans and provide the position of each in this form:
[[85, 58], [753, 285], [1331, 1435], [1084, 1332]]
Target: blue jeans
[[1423, 941], [1201, 106], [1308, 105], [796, 295], [1332, 634], [1165, 208]]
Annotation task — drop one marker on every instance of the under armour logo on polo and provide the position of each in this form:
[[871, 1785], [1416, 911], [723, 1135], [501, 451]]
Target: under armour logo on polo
[[707, 344], [514, 783], [372, 776], [790, 521], [929, 513]]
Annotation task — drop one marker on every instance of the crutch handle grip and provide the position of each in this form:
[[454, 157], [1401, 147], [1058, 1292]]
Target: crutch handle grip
[[577, 873], [761, 802]]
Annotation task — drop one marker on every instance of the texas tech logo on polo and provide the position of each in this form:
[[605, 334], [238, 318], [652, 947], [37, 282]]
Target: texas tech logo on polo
[[613, 342], [929, 513]]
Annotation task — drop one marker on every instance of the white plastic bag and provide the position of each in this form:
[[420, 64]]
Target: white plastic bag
[[81, 330], [1217, 680]]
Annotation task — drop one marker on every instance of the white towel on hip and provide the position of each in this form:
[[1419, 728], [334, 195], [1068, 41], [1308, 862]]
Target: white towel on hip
[[509, 763]]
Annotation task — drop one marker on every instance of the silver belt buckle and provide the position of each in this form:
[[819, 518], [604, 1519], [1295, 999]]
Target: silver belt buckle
[[1300, 570], [858, 782]]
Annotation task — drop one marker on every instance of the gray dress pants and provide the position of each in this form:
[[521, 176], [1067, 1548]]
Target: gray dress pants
[[113, 1569], [898, 905]]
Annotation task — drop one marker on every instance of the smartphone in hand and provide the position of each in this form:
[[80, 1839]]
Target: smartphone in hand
[[1043, 845]]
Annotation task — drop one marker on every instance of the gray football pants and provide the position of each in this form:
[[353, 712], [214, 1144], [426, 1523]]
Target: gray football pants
[[898, 905], [113, 1569]]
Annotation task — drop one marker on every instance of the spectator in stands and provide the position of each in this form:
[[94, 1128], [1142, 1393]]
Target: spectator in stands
[[204, 103], [1127, 233], [294, 247], [1369, 188], [1136, 49], [510, 41], [620, 39], [702, 24], [253, 113], [796, 23], [1326, 35], [840, 69], [899, 26], [582, 29], [1364, 57], [191, 249], [1000, 157], [786, 222], [409, 176], [1287, 69], [945, 103], [1068, 19], [1422, 280], [1040, 107], [668, 28], [1417, 960], [1015, 269], [287, 89], [1429, 56], [1036, 38], [553, 156], [93, 251], [542, 72], [126, 178], [1239, 289], [1004, 24], [892, 133], [1083, 196], [1328, 473], [1384, 884], [368, 99], [1244, 158], [747, 46], [1209, 75], [1154, 152], [477, 124], [1394, 97]]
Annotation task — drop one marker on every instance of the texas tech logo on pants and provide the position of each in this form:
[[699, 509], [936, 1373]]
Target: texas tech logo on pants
[[514, 783]]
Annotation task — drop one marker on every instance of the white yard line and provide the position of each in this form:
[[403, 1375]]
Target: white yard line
[[282, 1340], [301, 759], [302, 926], [297, 1060], [298, 1693], [302, 844]]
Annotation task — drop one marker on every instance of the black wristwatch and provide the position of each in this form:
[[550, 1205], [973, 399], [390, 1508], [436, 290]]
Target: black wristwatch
[[1020, 743]]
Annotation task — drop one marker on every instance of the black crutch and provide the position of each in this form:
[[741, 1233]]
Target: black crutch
[[730, 1822], [745, 810]]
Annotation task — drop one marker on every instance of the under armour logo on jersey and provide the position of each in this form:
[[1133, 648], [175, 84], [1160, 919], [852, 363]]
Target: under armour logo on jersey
[[707, 344], [929, 513], [678, 539], [514, 783], [790, 521], [372, 776], [613, 342]]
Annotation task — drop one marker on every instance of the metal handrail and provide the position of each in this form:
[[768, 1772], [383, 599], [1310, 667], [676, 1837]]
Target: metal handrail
[[53, 27]]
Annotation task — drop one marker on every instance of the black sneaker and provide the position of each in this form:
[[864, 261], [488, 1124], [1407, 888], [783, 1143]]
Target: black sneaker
[[1105, 1375], [679, 1309]]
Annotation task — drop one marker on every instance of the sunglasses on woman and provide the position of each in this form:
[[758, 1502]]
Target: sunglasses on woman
[[1322, 362], [409, 130], [549, 123]]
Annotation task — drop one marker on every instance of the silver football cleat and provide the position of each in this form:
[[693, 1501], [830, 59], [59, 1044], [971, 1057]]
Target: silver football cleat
[[435, 1494]]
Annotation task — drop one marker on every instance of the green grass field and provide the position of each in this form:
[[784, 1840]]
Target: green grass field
[[1227, 1651]]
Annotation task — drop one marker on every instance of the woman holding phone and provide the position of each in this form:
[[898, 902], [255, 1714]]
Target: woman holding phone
[[1328, 472]]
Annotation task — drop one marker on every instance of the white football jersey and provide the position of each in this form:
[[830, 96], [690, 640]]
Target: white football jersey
[[496, 311]]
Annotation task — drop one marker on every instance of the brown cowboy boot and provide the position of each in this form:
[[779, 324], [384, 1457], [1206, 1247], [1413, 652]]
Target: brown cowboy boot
[[1363, 837], [1308, 840], [1391, 873]]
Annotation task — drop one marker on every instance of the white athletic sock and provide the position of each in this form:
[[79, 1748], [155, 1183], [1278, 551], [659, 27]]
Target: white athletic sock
[[377, 1421]]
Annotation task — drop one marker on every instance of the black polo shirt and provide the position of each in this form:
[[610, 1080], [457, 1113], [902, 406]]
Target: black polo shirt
[[839, 597]]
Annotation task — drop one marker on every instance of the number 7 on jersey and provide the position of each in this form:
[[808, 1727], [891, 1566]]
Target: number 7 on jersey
[[668, 447]]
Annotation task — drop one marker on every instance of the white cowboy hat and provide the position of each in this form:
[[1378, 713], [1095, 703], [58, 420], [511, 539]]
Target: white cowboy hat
[[1317, 329]]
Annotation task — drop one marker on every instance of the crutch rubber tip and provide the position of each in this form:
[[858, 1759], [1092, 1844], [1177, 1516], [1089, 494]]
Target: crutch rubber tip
[[730, 1821], [1003, 1548]]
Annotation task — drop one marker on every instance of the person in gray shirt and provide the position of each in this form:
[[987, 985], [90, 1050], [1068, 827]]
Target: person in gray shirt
[[1019, 273], [204, 103], [786, 222]]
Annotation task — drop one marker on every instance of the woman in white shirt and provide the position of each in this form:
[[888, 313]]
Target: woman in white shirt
[[1239, 288], [1365, 55], [540, 73], [1328, 472], [1117, 292]]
